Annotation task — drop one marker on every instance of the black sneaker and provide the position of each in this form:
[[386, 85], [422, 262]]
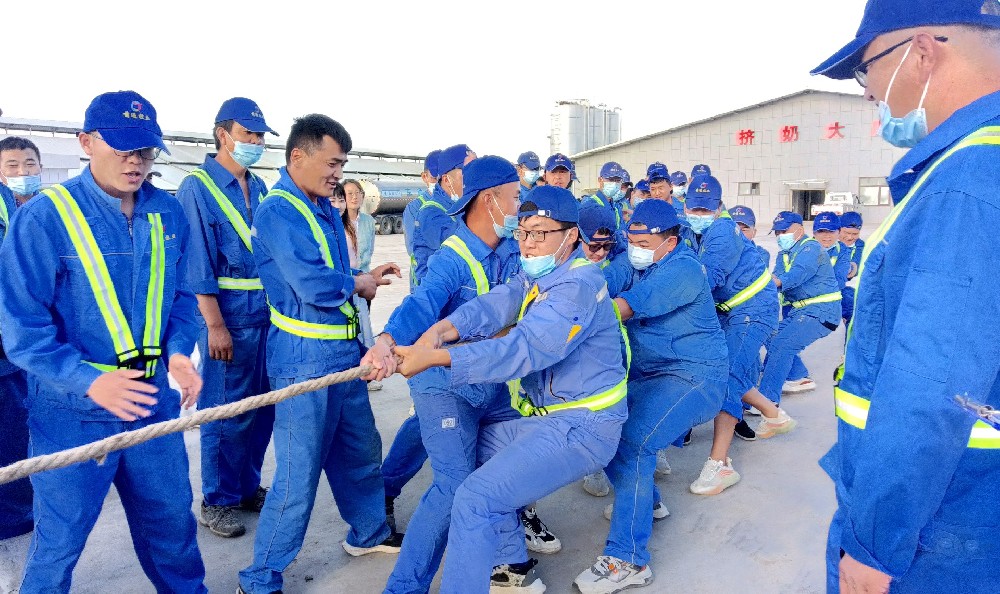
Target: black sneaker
[[744, 432], [390, 513], [256, 503], [687, 438], [389, 545], [537, 535], [221, 520], [519, 577]]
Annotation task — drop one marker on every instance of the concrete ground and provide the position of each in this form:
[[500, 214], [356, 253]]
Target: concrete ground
[[765, 534]]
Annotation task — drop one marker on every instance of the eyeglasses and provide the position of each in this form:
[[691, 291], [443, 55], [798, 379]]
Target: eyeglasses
[[537, 236], [861, 70], [599, 246], [150, 153]]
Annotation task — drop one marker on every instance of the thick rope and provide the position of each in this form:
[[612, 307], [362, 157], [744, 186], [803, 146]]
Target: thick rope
[[99, 450]]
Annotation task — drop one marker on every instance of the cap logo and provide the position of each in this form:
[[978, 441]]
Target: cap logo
[[256, 113], [703, 189], [136, 106], [136, 113]]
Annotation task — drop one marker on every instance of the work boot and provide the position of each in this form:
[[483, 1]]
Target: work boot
[[537, 535], [744, 432], [256, 503], [390, 513], [660, 511], [389, 545], [715, 477], [662, 464], [611, 574], [221, 520], [519, 578], [771, 427], [597, 484]]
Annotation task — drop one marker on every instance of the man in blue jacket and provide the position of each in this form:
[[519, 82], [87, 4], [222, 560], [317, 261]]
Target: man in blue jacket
[[850, 233], [95, 308], [745, 218], [430, 177], [432, 224], [301, 253], [610, 193], [916, 474], [528, 171], [221, 198]]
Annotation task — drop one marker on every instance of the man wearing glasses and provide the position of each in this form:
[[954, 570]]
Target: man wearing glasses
[[96, 309], [919, 509]]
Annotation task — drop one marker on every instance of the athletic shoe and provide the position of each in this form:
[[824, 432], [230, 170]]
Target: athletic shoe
[[516, 577], [744, 432], [662, 464], [256, 503], [240, 590], [537, 535], [715, 477], [795, 386], [611, 574], [597, 484], [221, 520], [771, 427], [374, 386], [752, 411], [389, 545], [660, 511], [687, 438]]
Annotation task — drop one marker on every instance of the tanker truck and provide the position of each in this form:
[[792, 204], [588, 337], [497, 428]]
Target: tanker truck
[[385, 200]]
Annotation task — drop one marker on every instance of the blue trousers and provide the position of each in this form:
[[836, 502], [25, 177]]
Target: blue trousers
[[744, 338], [331, 430], [661, 408], [450, 429], [15, 498], [795, 333], [232, 450], [523, 461], [847, 304], [152, 481], [406, 457]]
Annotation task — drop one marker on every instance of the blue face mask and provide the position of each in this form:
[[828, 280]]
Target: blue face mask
[[246, 153], [531, 176], [699, 223], [786, 241], [25, 185], [538, 266], [642, 258], [611, 189], [509, 223], [907, 131], [679, 191]]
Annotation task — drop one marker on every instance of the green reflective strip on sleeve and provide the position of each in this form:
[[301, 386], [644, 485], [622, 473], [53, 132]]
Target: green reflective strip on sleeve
[[828, 298], [235, 218], [240, 284], [324, 247], [746, 294], [475, 267]]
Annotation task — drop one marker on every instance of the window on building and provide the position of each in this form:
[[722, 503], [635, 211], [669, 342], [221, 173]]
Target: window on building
[[873, 191], [749, 189]]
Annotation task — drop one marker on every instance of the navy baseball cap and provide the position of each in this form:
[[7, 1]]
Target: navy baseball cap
[[678, 178], [851, 219], [743, 214], [482, 174], [125, 120], [626, 179], [656, 215], [786, 219], [885, 16], [244, 112], [558, 160], [704, 191], [452, 158], [642, 185], [594, 217], [826, 221], [657, 171], [558, 204], [430, 163], [701, 169], [612, 170], [530, 160]]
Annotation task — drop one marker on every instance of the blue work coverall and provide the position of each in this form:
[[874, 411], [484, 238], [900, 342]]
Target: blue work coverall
[[451, 414], [431, 227], [232, 451], [916, 475], [847, 303], [809, 275], [568, 346], [732, 264], [332, 429], [677, 380], [53, 328]]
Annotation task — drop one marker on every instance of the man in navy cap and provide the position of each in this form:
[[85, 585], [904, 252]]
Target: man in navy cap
[[220, 199], [918, 509], [701, 169], [430, 177], [679, 182], [745, 218], [826, 230], [432, 224], [559, 171], [528, 166], [611, 194], [661, 189], [96, 308], [850, 233]]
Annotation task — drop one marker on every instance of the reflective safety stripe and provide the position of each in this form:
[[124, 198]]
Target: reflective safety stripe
[[746, 294], [475, 266], [788, 260], [240, 284], [827, 298], [432, 203], [347, 331], [853, 410], [3, 213], [234, 216], [605, 263], [105, 294]]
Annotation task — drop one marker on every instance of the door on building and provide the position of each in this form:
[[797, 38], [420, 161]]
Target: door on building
[[803, 200]]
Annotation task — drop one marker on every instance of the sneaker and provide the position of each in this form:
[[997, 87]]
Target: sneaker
[[256, 503], [537, 534], [752, 411], [597, 484], [771, 427], [744, 432], [662, 465], [240, 590], [413, 411], [221, 520], [794, 386], [390, 513], [389, 545], [687, 438], [660, 511], [516, 577], [611, 574], [715, 477], [374, 386]]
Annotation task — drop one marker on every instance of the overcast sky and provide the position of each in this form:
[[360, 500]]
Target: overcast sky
[[413, 76]]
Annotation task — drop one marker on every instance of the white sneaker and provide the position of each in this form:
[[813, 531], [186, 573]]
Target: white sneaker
[[413, 410], [752, 411], [597, 484], [536, 534], [660, 511], [715, 477], [771, 427], [795, 386], [519, 578], [374, 386], [610, 575], [662, 465]]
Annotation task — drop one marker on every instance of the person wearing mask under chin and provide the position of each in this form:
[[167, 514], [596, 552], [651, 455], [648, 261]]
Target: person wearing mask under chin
[[528, 171], [220, 199], [432, 224]]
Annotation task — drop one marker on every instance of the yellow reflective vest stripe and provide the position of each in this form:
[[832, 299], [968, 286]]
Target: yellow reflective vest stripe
[[238, 224], [475, 266], [746, 294]]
